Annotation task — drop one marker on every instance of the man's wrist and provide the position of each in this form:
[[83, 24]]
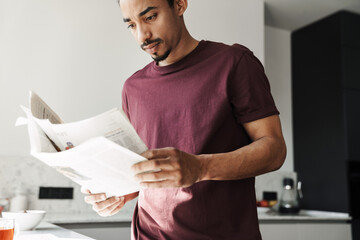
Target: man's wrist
[[205, 160]]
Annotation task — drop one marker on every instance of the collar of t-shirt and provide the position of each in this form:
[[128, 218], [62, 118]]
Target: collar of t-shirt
[[189, 59]]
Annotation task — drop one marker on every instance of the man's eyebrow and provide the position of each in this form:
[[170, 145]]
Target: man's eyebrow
[[148, 9]]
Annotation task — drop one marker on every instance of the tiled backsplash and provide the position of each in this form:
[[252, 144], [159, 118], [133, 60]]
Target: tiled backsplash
[[272, 182], [31, 174]]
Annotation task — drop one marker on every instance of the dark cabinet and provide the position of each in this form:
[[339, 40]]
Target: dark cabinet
[[352, 123], [350, 67], [326, 111]]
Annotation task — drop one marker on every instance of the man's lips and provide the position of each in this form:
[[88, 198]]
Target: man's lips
[[151, 48]]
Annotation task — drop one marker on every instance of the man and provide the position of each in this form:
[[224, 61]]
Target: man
[[205, 111]]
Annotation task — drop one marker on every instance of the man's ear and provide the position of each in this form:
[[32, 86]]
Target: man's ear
[[180, 6]]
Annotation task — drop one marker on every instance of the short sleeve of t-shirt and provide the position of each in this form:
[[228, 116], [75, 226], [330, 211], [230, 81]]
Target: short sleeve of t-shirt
[[125, 104], [249, 90]]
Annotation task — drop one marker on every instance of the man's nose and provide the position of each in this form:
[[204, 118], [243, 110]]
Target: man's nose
[[143, 34]]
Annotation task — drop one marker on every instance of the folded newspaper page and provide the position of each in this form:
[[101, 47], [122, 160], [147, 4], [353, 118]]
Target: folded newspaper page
[[96, 153]]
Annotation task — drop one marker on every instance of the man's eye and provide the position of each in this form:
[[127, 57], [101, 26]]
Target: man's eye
[[131, 26], [152, 17]]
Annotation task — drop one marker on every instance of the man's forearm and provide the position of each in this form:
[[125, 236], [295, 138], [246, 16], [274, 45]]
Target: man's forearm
[[263, 155]]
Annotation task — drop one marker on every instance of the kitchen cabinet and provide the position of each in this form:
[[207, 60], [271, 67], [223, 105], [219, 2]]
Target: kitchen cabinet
[[305, 231], [306, 225], [326, 112], [309, 225], [270, 230]]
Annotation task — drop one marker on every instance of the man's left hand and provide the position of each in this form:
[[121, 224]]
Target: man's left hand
[[167, 167]]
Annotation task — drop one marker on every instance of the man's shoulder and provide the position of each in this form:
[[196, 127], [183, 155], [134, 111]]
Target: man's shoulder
[[140, 73], [235, 50]]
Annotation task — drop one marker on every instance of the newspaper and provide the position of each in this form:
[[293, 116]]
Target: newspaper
[[96, 153]]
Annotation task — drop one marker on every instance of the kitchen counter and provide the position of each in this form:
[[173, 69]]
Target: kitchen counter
[[306, 225], [87, 217], [48, 231], [263, 213], [311, 225]]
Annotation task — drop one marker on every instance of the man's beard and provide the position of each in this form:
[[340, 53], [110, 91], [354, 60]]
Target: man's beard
[[156, 58], [161, 57]]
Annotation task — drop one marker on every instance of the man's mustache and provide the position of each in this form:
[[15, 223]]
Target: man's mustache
[[148, 42]]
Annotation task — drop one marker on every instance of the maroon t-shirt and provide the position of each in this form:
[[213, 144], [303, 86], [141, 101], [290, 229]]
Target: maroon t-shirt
[[198, 105]]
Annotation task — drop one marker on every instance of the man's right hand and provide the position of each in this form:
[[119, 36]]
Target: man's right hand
[[106, 207]]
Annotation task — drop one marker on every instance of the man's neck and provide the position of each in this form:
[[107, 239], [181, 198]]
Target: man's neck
[[185, 46]]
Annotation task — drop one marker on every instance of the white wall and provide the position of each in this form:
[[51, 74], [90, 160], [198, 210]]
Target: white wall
[[76, 54], [230, 21], [278, 70], [73, 53]]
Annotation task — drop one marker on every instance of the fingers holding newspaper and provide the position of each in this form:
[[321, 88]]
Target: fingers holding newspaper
[[168, 168], [104, 206]]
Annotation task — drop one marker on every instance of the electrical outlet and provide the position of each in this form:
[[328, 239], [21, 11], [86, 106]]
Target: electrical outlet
[[56, 193]]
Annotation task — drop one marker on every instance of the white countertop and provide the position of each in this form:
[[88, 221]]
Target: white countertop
[[263, 214], [48, 231], [87, 217]]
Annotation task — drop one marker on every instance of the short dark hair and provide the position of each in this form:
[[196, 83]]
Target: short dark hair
[[170, 2]]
